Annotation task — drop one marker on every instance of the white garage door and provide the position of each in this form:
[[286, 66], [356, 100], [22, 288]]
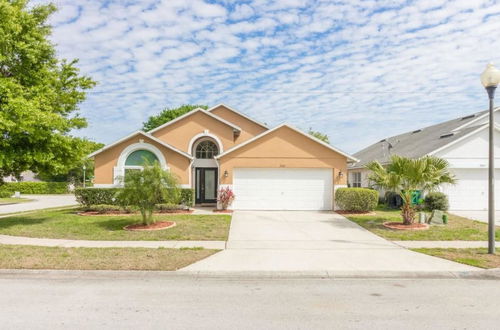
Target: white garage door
[[471, 190], [282, 189]]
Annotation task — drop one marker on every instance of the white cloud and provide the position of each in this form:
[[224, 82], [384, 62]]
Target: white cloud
[[358, 71]]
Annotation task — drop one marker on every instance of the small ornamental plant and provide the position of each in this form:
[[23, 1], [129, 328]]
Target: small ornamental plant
[[225, 197]]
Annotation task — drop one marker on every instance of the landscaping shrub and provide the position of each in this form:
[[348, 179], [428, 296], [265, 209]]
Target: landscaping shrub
[[165, 207], [187, 197], [436, 201], [36, 187], [6, 194], [109, 196], [103, 208], [356, 199], [97, 196], [225, 197]]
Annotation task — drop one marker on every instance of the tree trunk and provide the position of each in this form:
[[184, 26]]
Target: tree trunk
[[407, 210]]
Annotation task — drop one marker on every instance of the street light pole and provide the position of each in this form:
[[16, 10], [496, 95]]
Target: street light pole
[[491, 173], [490, 79], [84, 168]]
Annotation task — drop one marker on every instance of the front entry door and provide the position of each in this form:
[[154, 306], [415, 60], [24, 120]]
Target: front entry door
[[206, 185]]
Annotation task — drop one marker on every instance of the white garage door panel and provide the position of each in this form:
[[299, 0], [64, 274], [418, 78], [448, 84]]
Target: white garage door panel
[[282, 189], [471, 190]]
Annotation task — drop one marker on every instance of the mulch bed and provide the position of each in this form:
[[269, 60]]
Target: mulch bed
[[355, 212], [401, 226], [222, 211], [160, 225], [121, 213]]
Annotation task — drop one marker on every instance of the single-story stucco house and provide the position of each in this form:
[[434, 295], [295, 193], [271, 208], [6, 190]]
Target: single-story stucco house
[[281, 168], [463, 142]]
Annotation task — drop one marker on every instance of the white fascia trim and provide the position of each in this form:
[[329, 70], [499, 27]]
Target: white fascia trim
[[482, 127], [201, 135], [193, 112], [113, 144], [296, 130], [239, 113], [475, 120], [144, 134]]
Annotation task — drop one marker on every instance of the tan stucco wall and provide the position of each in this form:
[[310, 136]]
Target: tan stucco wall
[[180, 133], [284, 148], [107, 160], [249, 129]]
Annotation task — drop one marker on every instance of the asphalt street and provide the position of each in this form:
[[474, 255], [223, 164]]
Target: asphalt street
[[159, 301]]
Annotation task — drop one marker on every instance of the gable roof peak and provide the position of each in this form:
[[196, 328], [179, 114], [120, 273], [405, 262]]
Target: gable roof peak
[[348, 156], [187, 114]]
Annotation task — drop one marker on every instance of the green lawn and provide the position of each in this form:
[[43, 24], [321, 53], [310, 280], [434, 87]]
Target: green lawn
[[39, 257], [13, 200], [68, 225], [474, 257], [458, 228]]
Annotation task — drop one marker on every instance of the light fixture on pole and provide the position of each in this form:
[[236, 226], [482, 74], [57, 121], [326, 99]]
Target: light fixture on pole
[[84, 168], [490, 78]]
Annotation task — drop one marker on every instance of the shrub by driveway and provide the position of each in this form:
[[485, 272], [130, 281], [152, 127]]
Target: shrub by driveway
[[458, 228], [66, 224]]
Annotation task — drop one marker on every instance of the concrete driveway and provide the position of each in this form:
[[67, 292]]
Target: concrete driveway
[[39, 202], [312, 241], [478, 215]]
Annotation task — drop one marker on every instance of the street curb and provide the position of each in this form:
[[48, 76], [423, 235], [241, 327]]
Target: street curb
[[491, 274]]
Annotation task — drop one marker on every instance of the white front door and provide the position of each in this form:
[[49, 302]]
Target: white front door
[[283, 189]]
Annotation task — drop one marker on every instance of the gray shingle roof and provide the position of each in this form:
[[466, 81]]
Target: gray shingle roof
[[417, 143]]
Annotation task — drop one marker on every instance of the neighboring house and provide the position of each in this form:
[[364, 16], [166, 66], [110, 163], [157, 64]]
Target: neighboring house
[[268, 169], [463, 142], [26, 176]]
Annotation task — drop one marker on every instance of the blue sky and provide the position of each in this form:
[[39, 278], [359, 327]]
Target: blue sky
[[358, 71]]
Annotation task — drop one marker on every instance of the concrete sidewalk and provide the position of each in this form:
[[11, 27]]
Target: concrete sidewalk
[[16, 240], [284, 241], [39, 202], [443, 244]]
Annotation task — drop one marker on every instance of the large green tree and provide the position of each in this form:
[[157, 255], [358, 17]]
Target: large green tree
[[39, 95], [167, 115]]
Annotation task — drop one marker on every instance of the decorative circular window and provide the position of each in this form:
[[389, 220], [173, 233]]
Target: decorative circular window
[[140, 157], [206, 150]]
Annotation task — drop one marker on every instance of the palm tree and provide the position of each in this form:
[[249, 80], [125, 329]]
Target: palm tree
[[406, 175]]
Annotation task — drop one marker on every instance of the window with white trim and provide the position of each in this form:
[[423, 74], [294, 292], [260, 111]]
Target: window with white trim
[[356, 179], [206, 150]]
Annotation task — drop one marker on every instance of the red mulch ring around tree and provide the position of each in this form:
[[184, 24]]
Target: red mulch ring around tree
[[401, 226], [86, 213], [160, 225], [222, 211], [355, 212]]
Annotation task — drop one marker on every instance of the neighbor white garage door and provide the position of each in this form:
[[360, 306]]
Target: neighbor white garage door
[[471, 190], [282, 189]]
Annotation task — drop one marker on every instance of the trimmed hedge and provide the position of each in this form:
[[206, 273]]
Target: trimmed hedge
[[6, 193], [36, 187], [436, 201], [356, 199], [108, 196], [97, 196]]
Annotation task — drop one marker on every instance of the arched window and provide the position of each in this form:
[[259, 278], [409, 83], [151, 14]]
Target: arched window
[[206, 150], [140, 157]]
